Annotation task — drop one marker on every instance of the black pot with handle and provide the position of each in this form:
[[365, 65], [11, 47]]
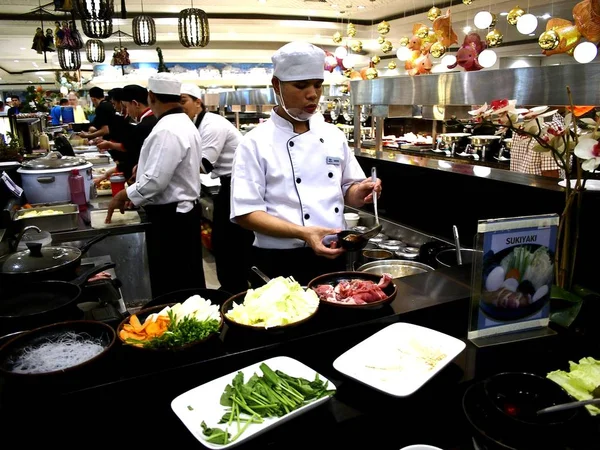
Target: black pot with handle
[[38, 263], [30, 305]]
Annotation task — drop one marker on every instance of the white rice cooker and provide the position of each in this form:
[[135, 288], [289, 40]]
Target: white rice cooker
[[46, 179]]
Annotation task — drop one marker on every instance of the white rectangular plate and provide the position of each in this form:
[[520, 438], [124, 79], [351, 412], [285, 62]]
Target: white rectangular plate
[[204, 401], [399, 359]]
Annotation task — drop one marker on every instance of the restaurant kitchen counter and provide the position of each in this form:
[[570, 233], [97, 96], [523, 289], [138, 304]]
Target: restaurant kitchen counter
[[125, 399]]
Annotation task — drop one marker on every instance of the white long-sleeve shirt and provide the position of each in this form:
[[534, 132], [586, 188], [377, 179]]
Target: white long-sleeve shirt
[[219, 138], [169, 164]]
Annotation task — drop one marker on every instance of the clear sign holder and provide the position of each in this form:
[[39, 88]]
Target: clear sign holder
[[513, 272]]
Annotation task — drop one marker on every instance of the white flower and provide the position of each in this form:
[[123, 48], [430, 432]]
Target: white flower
[[588, 149]]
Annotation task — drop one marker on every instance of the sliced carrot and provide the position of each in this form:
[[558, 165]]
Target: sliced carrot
[[513, 273], [135, 322]]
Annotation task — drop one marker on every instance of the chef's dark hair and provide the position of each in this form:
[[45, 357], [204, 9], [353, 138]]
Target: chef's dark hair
[[135, 92], [116, 94], [63, 101], [97, 92]]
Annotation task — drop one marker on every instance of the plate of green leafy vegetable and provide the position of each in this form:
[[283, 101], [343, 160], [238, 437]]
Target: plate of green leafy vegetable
[[243, 404]]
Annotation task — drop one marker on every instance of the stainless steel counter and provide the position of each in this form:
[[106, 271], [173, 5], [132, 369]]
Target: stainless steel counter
[[444, 164]]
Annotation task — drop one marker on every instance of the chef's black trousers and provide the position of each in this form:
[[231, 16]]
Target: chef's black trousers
[[231, 244], [301, 263], [174, 248]]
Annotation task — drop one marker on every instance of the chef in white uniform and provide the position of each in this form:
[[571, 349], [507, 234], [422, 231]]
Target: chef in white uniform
[[293, 174], [168, 188], [220, 138]]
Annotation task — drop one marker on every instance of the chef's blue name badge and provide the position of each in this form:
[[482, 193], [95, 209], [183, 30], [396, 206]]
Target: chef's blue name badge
[[332, 160]]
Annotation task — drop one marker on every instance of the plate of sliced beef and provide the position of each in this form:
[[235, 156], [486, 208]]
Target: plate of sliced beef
[[358, 290]]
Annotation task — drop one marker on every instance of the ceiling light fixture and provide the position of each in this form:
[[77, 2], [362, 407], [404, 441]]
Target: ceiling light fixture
[[585, 52], [546, 16], [97, 29], [144, 29], [94, 50], [527, 24], [69, 59], [96, 17], [16, 60], [193, 27], [467, 29], [42, 79]]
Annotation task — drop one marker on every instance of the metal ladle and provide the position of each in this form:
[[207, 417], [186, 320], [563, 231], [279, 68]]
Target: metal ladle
[[457, 244]]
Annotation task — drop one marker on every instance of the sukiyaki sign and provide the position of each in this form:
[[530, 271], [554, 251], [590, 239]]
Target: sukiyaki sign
[[512, 278]]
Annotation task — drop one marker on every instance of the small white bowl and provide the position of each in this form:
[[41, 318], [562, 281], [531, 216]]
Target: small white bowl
[[351, 219], [420, 447]]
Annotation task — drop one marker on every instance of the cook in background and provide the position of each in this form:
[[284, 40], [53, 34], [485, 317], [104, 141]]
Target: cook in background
[[78, 112], [56, 112], [219, 141], [293, 174], [135, 101], [525, 160], [167, 186], [104, 113]]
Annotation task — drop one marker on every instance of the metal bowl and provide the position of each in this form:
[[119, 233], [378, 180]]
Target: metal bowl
[[407, 253], [450, 138], [395, 267], [377, 239], [392, 245], [483, 139]]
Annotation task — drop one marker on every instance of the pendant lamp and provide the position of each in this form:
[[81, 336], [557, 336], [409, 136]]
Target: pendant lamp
[[94, 50], [144, 31], [69, 59], [193, 28], [96, 9]]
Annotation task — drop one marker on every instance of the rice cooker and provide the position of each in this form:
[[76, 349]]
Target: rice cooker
[[46, 179]]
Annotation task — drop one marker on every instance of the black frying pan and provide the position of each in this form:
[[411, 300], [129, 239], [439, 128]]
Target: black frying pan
[[36, 304], [334, 278]]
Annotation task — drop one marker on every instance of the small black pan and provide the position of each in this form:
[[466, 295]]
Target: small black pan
[[41, 303], [335, 278]]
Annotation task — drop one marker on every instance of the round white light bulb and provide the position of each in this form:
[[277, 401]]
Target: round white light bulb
[[487, 58], [448, 60], [527, 24], [403, 53], [349, 61], [585, 52], [483, 19], [340, 52]]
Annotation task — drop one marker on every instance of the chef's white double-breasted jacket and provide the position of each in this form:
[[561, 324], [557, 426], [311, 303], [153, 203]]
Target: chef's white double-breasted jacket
[[300, 178]]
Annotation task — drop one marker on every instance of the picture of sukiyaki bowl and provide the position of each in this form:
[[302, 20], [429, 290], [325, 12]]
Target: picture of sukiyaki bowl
[[516, 281]]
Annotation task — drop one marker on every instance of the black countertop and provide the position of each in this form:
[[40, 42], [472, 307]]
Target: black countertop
[[125, 399]]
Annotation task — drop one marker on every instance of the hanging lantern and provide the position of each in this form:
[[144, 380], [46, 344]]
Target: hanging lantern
[[386, 47], [94, 49], [337, 37], [392, 65], [434, 13], [144, 31], [351, 30], [383, 28], [69, 59], [193, 28], [376, 59], [95, 9], [514, 14], [97, 29], [494, 38]]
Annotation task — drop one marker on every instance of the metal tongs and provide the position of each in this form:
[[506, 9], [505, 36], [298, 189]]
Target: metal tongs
[[374, 180]]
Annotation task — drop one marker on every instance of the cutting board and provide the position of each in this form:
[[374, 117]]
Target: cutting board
[[118, 219]]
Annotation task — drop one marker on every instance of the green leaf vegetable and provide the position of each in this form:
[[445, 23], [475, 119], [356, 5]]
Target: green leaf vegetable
[[580, 381], [272, 395]]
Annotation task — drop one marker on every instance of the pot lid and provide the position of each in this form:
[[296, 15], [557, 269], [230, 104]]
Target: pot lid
[[54, 160], [38, 259]]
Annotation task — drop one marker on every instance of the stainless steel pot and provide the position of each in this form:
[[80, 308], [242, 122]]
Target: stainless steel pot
[[447, 258], [480, 140], [395, 267], [450, 138]]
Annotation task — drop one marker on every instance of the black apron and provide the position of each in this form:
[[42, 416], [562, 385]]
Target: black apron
[[231, 244], [301, 263], [174, 246]]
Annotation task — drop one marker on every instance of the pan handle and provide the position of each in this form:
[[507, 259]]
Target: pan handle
[[81, 279], [85, 247]]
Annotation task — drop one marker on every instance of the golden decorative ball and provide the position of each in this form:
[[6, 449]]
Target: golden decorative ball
[[403, 41], [372, 73], [467, 2], [386, 47], [423, 32], [549, 40], [392, 65], [434, 13], [383, 28], [351, 30], [438, 50], [337, 37], [514, 14], [347, 73], [376, 59], [494, 20], [494, 38], [344, 89], [380, 40], [357, 46]]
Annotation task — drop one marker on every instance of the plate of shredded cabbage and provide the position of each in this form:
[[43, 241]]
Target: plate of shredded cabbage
[[279, 304], [580, 380]]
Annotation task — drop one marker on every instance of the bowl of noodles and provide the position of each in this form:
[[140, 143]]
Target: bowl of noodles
[[57, 349]]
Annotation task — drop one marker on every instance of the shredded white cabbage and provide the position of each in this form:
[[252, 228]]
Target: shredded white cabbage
[[281, 301], [195, 306]]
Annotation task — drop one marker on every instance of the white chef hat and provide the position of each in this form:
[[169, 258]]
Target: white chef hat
[[191, 89], [298, 61], [164, 83]]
